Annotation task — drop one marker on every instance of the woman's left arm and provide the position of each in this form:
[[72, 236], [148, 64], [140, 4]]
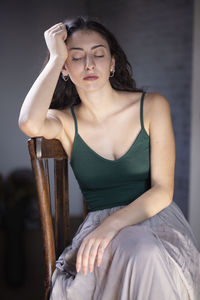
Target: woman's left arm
[[162, 157]]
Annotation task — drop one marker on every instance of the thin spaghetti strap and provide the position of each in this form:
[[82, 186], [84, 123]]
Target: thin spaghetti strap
[[74, 116], [141, 110]]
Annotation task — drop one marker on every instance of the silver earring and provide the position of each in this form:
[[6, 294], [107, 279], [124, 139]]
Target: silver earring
[[65, 78], [112, 72]]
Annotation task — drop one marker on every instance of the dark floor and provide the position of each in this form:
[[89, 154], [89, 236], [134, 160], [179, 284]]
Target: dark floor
[[32, 284]]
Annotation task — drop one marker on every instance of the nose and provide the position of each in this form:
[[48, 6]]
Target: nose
[[89, 62]]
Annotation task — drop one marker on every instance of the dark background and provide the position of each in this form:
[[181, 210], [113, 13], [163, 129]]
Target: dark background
[[157, 37]]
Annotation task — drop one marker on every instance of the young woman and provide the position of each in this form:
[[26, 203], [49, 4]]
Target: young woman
[[135, 242]]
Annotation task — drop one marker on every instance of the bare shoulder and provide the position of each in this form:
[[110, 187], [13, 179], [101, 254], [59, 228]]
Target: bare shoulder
[[158, 107], [157, 102], [153, 101]]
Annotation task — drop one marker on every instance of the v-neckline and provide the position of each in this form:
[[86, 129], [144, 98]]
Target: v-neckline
[[106, 159], [77, 135]]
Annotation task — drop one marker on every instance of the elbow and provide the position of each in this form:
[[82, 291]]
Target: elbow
[[27, 127], [166, 192]]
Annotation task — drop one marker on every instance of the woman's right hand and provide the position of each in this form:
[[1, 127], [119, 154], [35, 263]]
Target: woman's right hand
[[55, 38]]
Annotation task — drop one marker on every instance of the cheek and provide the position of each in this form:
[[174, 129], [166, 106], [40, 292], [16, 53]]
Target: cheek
[[102, 65], [75, 69], [107, 65], [75, 72]]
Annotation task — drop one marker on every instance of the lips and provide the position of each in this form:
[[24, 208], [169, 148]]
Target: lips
[[90, 77]]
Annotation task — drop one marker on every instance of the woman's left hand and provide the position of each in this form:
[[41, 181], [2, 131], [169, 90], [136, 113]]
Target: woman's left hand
[[94, 244]]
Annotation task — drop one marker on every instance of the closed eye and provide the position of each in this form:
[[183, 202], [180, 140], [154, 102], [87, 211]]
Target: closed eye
[[76, 58], [82, 57]]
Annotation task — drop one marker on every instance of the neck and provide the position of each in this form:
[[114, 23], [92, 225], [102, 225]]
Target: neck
[[98, 104]]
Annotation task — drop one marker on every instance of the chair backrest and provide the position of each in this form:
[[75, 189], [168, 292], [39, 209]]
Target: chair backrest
[[56, 235]]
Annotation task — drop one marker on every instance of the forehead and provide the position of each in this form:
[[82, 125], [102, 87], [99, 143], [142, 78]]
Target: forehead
[[86, 39]]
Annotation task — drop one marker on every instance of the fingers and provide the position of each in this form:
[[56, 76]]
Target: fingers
[[79, 256], [55, 38], [101, 250], [92, 256], [87, 254], [56, 26], [83, 255]]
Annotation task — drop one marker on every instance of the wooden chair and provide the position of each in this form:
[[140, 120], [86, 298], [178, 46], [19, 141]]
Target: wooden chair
[[56, 237]]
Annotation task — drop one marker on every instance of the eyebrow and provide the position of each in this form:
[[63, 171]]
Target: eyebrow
[[94, 47]]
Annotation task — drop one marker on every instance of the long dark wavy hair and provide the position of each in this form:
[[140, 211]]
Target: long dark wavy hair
[[65, 93]]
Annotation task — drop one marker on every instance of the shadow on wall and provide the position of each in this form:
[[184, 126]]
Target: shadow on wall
[[22, 269]]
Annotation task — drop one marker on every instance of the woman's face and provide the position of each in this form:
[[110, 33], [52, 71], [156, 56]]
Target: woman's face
[[88, 54]]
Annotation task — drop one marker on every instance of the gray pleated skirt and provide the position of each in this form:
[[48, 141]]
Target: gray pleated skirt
[[156, 259]]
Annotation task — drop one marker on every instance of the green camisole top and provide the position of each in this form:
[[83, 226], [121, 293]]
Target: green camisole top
[[108, 183]]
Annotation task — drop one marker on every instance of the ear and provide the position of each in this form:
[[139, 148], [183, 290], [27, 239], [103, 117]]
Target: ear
[[65, 70]]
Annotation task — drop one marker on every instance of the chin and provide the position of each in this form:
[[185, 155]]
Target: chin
[[92, 86]]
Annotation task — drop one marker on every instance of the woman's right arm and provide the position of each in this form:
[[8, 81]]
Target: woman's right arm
[[34, 118]]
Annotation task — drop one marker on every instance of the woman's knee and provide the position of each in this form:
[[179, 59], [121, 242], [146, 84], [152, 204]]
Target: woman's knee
[[136, 240]]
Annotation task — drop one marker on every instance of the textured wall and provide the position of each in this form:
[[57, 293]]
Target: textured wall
[[157, 37]]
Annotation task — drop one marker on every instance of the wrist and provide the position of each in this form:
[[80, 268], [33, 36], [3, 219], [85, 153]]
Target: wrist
[[115, 222], [57, 60]]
